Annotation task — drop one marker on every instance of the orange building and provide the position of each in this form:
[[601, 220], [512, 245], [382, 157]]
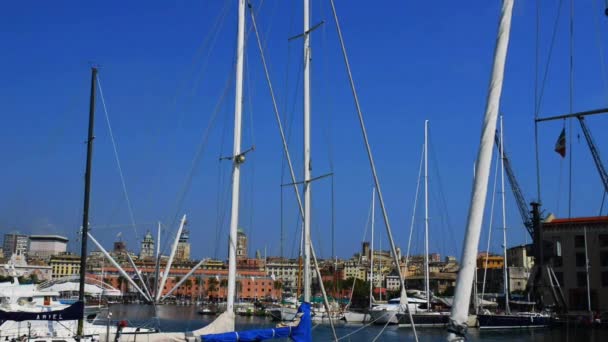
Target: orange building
[[490, 261], [204, 283]]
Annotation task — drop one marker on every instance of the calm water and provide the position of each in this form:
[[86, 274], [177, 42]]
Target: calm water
[[185, 318]]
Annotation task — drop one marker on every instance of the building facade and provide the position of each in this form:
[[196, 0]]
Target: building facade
[[490, 261], [45, 246], [520, 256], [15, 243], [571, 240], [284, 270], [64, 265]]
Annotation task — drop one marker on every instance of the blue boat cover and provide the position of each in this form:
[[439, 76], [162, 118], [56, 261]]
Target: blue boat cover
[[299, 333], [72, 312]]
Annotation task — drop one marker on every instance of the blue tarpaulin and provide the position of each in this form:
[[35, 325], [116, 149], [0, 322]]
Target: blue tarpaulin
[[299, 333]]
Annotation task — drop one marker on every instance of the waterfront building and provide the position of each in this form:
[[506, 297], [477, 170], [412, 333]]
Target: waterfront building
[[355, 269], [392, 282], [45, 246], [65, 264], [567, 256], [520, 256], [15, 243], [147, 247], [434, 257], [490, 261], [284, 270], [208, 284], [439, 282]]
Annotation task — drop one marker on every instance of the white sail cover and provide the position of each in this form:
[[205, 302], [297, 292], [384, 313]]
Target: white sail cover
[[222, 324]]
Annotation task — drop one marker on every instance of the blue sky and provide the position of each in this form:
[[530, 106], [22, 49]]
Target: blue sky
[[164, 68]]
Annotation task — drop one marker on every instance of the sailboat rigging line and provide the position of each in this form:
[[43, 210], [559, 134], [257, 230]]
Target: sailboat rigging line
[[301, 35], [387, 322], [599, 40], [536, 100], [198, 155], [412, 222], [325, 301], [490, 224], [571, 104], [118, 165], [331, 174], [548, 64], [288, 158], [444, 213], [373, 166]]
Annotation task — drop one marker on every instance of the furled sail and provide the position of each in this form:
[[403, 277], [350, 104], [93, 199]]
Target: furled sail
[[298, 333]]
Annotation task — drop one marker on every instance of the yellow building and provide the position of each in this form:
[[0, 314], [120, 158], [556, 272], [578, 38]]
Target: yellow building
[[64, 265], [490, 261], [353, 269]]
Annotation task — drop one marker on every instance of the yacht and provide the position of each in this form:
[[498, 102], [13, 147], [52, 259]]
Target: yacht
[[387, 313]]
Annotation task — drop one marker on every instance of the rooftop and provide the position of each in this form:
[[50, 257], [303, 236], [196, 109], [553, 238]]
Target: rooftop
[[49, 237], [551, 222]]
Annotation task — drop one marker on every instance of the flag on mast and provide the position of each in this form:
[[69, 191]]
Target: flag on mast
[[560, 145]]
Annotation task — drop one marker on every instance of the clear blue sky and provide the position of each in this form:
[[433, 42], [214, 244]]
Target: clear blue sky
[[164, 67]]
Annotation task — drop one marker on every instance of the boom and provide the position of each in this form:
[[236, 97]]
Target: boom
[[594, 152], [517, 193]]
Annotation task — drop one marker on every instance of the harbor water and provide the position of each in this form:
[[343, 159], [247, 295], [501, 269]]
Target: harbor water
[[186, 318]]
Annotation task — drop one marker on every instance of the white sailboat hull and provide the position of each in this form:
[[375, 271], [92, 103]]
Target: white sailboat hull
[[356, 317]]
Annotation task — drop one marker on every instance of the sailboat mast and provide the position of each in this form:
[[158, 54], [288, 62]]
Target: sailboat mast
[[87, 195], [157, 266], [371, 255], [426, 216], [307, 165], [462, 295], [505, 274], [237, 157]]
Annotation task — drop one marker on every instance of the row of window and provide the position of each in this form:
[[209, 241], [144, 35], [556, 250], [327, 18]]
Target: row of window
[[581, 279], [579, 241]]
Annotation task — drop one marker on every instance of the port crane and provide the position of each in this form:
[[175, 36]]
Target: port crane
[[522, 205]]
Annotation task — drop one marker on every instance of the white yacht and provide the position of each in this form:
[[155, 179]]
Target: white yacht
[[387, 313]]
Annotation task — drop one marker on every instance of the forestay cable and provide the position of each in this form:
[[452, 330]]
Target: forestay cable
[[122, 178], [373, 166]]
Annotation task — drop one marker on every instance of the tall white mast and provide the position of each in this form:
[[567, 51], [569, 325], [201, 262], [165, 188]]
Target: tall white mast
[[237, 157], [371, 266], [505, 274], [307, 165], [462, 295], [427, 286]]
